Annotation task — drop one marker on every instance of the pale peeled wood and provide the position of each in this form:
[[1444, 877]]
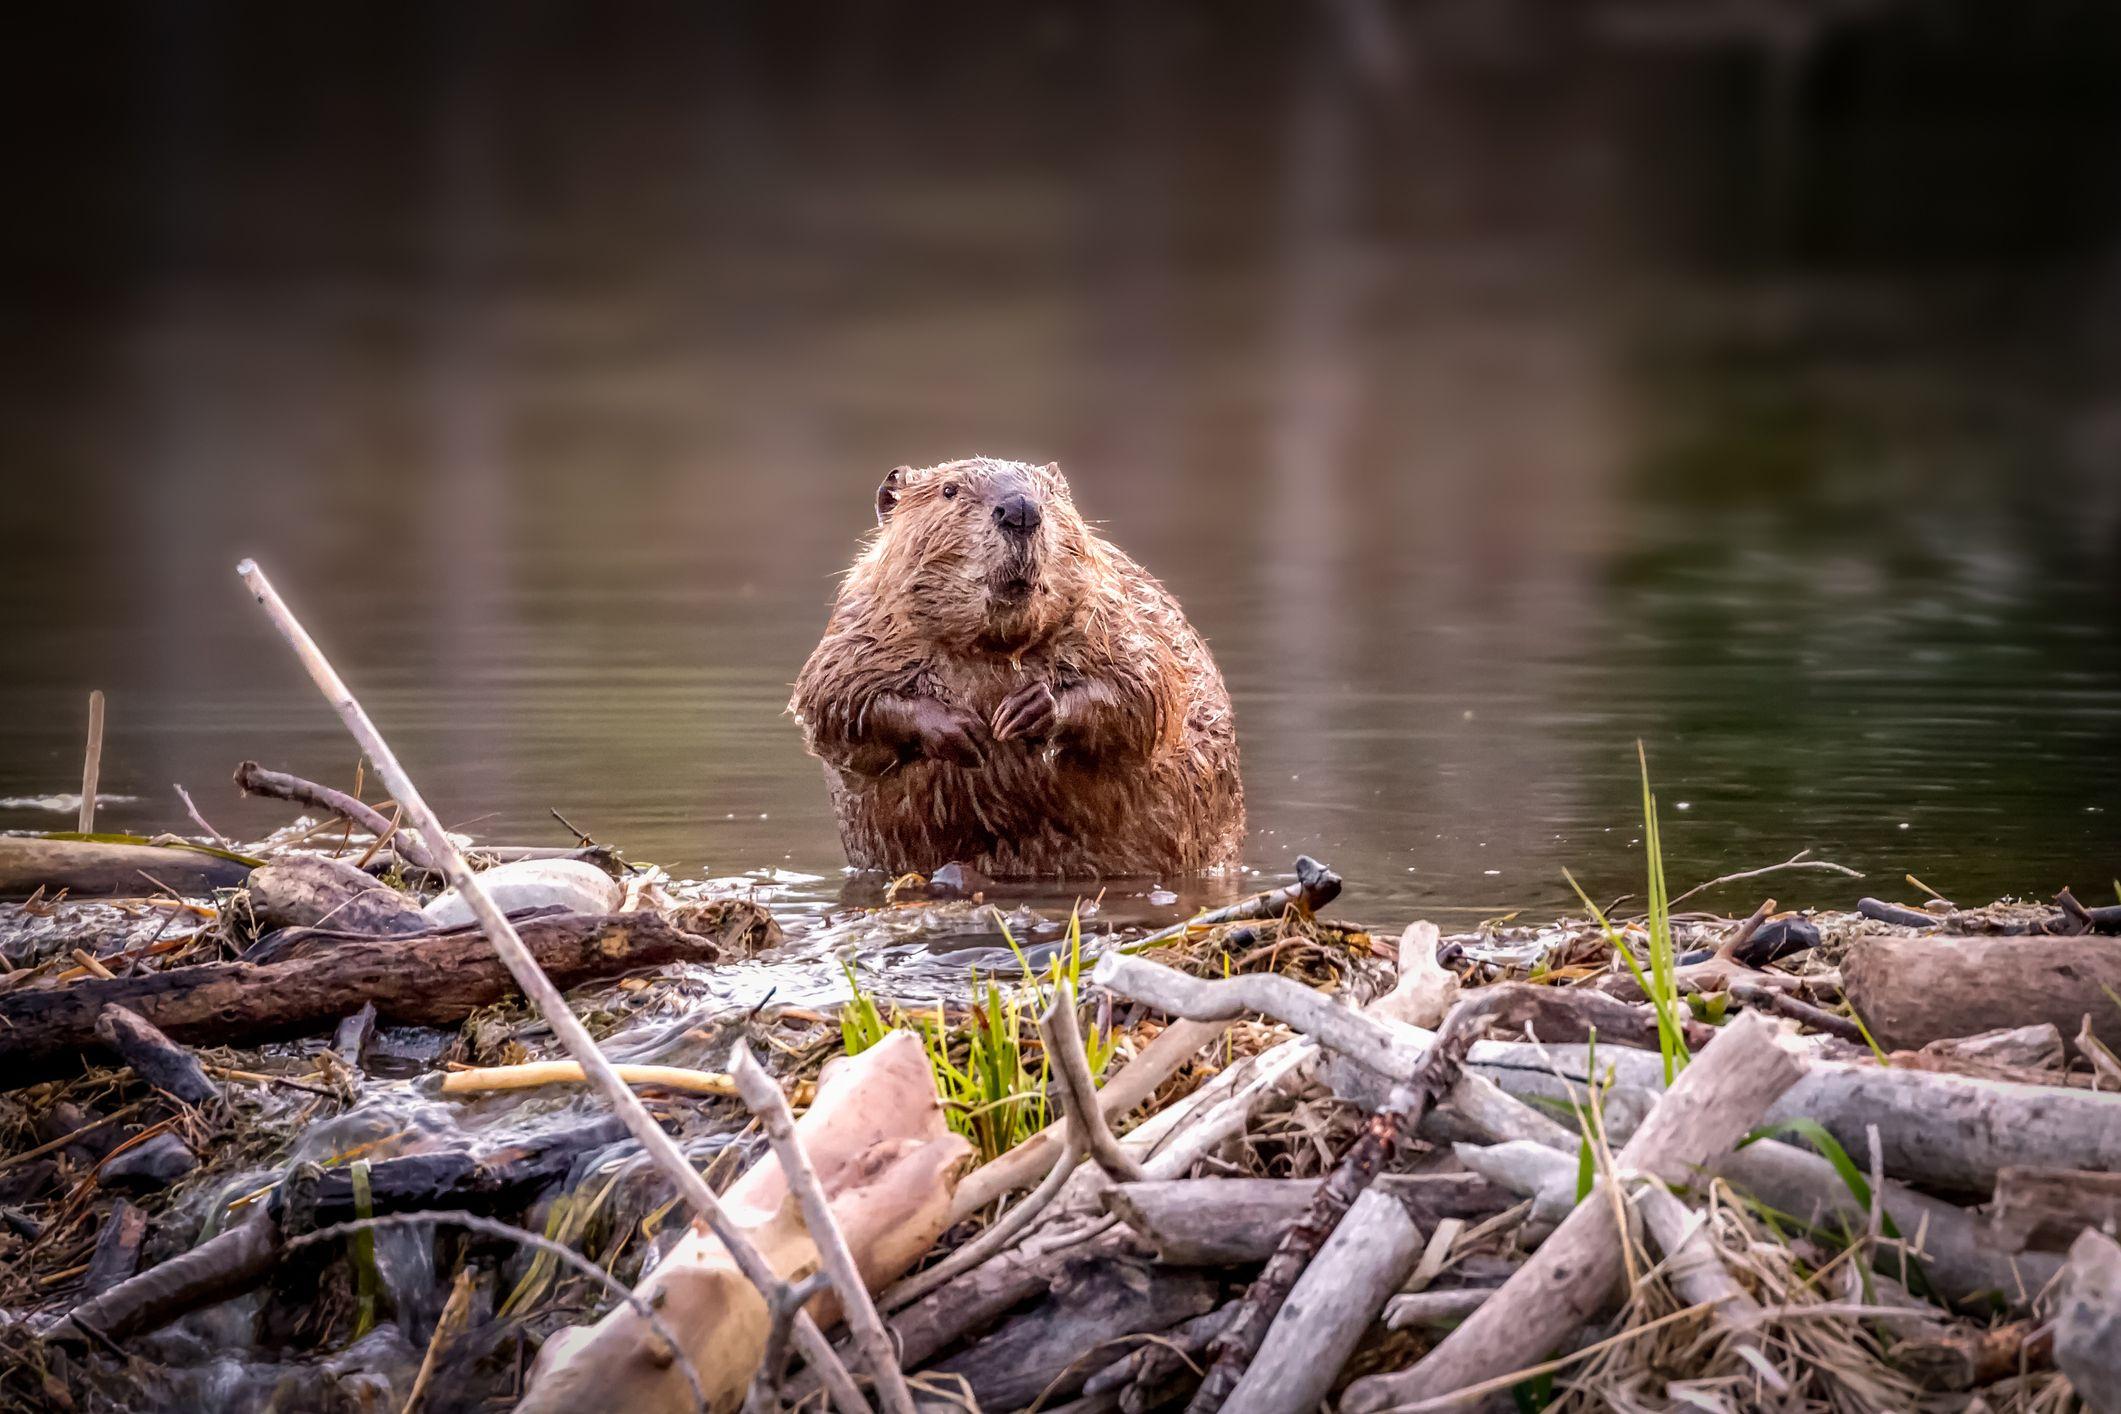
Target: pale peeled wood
[[888, 1162], [1573, 1278], [1912, 991]]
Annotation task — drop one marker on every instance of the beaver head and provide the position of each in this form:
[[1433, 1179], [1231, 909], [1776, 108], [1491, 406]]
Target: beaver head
[[980, 553]]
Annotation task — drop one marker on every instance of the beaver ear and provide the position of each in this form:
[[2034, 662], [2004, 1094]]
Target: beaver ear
[[887, 493]]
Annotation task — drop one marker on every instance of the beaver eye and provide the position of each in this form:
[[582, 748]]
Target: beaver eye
[[950, 491]]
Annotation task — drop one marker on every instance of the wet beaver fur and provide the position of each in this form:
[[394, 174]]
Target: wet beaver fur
[[1001, 687]]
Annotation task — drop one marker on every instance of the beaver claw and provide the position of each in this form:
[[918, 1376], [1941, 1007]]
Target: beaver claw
[[950, 734], [1030, 712]]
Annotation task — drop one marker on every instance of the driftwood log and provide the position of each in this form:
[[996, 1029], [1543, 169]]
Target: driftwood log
[[1911, 991], [429, 981], [1573, 1278], [94, 869], [1096, 1310], [1230, 1222]]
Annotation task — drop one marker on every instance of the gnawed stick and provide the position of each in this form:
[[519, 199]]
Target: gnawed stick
[[1315, 887], [534, 1074], [1573, 1277], [1000, 1234], [764, 1099], [1071, 1068], [661, 1149], [1432, 1080]]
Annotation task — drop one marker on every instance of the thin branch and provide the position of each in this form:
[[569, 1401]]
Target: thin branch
[[201, 821], [1071, 1068], [763, 1097], [1800, 860], [999, 1234], [661, 1149], [92, 761]]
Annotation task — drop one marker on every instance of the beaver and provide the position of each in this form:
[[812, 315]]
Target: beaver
[[1001, 687]]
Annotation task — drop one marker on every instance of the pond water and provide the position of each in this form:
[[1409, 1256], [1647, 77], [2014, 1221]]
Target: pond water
[[1495, 387]]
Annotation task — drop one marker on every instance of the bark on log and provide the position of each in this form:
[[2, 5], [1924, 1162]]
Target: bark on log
[[1573, 1278], [1051, 1351], [1912, 991], [231, 1262], [2088, 1323], [984, 1295], [429, 981], [887, 1161], [2046, 1208], [1228, 1222], [91, 869], [1330, 1308], [312, 891]]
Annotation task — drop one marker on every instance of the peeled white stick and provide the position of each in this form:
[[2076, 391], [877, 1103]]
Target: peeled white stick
[[763, 1097], [661, 1149]]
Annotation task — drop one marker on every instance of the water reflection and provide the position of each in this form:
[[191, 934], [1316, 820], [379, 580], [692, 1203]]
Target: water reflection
[[1494, 384]]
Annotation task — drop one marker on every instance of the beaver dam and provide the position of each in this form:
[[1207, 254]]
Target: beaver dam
[[368, 1115], [282, 1134]]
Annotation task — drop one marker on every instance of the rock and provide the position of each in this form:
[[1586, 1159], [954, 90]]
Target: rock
[[1776, 939], [2088, 1322], [144, 1168], [311, 891], [573, 884]]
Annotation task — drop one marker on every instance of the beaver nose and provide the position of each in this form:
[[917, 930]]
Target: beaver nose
[[1017, 512]]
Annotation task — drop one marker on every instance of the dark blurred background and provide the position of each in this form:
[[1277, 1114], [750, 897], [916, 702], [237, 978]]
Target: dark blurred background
[[1496, 383]]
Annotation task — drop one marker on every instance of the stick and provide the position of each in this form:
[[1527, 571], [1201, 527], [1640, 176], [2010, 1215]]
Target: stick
[[487, 1079], [1315, 887], [1573, 1278], [764, 1099], [200, 820], [997, 1238], [661, 1149], [1071, 1068], [1330, 1308], [92, 762], [253, 779], [1800, 860], [455, 1312], [1783, 1004]]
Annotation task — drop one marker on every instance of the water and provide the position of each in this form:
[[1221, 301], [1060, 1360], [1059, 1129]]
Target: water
[[1495, 387]]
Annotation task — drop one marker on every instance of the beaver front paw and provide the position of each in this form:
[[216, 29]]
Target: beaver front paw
[[1031, 712], [952, 734]]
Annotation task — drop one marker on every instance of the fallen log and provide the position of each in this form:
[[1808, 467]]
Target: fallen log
[[1573, 1278], [1094, 1308], [886, 1161], [431, 980], [96, 869], [1911, 991]]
